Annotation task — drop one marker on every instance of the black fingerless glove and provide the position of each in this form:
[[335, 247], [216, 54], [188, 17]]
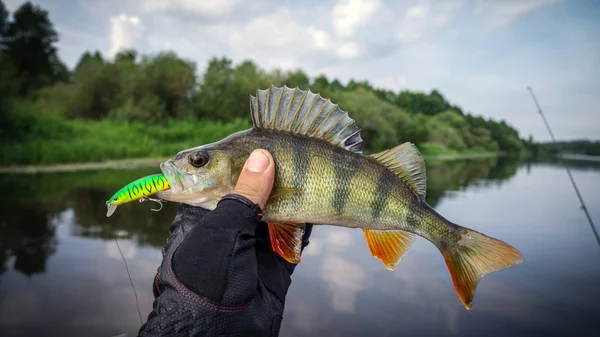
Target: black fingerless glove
[[218, 275]]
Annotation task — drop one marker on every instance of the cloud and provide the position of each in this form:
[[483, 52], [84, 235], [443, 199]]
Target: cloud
[[279, 38], [12, 5], [424, 18], [205, 12], [395, 83], [348, 50], [128, 248], [500, 13], [126, 32], [205, 8], [345, 279], [416, 45], [349, 15]]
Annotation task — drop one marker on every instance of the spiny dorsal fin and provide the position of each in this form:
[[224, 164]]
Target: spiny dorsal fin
[[406, 162], [304, 113]]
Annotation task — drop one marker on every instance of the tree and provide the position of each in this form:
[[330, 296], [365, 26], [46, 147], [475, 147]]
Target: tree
[[8, 80], [3, 19], [320, 84], [172, 80], [213, 99], [298, 79], [29, 42], [418, 102]]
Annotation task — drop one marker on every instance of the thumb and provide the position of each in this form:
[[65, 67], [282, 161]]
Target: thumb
[[256, 179]]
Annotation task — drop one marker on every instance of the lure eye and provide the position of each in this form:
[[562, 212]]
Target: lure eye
[[198, 159], [115, 199]]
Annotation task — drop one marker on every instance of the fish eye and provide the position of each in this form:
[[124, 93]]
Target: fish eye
[[198, 159], [115, 199]]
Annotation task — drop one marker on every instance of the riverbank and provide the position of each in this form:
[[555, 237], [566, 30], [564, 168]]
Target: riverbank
[[136, 163], [122, 164]]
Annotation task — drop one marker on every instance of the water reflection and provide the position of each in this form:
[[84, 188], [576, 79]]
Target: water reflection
[[27, 237], [62, 274]]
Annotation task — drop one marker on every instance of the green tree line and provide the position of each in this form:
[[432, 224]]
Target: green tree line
[[578, 146], [41, 97]]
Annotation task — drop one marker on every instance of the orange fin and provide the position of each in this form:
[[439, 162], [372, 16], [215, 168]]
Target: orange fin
[[473, 256], [286, 240], [388, 246]]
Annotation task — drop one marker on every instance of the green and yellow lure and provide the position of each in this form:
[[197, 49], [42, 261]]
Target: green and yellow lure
[[138, 190]]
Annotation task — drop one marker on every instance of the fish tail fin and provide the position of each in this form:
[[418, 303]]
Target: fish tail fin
[[473, 256]]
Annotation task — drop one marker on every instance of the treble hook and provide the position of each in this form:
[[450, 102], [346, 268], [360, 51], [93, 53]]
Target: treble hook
[[158, 201]]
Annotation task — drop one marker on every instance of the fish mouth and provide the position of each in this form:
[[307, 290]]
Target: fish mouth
[[172, 175]]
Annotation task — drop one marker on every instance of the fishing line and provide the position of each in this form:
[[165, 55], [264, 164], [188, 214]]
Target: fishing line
[[137, 304], [583, 206]]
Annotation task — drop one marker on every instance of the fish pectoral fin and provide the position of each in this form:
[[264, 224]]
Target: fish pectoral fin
[[286, 240], [388, 246], [281, 192]]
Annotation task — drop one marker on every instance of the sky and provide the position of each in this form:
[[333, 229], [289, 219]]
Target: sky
[[480, 54]]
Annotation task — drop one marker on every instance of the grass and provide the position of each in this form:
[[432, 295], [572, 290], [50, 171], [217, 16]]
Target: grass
[[77, 141], [50, 139]]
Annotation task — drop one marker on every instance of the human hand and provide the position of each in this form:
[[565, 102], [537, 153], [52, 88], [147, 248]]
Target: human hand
[[218, 273]]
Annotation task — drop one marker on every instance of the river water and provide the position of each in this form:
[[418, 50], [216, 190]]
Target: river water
[[61, 273]]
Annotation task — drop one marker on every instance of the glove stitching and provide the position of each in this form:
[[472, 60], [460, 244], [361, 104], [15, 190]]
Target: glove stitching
[[190, 295], [156, 283]]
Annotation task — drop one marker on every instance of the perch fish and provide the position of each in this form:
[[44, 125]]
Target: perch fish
[[323, 178]]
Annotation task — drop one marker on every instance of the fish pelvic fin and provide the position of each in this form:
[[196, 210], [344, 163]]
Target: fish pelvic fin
[[406, 161], [286, 240], [304, 113], [473, 256], [280, 192], [388, 246]]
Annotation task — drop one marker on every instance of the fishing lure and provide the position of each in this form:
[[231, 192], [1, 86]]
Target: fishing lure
[[139, 189]]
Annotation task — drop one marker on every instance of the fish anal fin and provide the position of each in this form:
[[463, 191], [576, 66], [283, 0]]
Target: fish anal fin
[[304, 113], [286, 240], [406, 161], [388, 246]]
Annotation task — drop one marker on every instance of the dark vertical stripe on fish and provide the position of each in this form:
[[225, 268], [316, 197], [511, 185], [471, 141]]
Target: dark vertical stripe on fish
[[301, 166], [384, 189], [343, 179]]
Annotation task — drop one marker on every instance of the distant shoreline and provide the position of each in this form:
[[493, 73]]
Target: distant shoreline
[[122, 164], [581, 157], [135, 163]]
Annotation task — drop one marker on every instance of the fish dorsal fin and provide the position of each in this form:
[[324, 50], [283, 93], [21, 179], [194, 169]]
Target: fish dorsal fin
[[406, 162], [304, 113]]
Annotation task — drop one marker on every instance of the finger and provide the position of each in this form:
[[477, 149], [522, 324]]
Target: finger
[[256, 179]]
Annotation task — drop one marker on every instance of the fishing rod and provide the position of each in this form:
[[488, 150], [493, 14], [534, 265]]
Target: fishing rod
[[137, 303], [583, 206]]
